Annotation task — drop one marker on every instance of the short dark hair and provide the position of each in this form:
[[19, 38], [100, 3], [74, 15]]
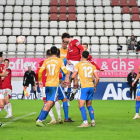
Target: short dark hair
[[58, 52], [65, 35], [85, 54], [53, 50], [1, 54], [85, 44], [6, 60], [48, 52]]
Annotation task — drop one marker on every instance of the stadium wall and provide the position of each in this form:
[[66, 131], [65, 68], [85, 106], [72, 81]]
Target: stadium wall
[[105, 90]]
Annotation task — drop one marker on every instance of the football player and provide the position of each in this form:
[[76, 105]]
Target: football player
[[7, 88], [86, 72], [52, 66], [137, 106], [75, 50], [2, 74], [57, 105]]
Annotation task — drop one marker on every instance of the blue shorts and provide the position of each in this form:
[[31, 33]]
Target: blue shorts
[[51, 93], [61, 93], [86, 93], [138, 92]]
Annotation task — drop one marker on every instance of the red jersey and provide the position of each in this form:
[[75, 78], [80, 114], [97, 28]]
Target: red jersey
[[44, 76], [6, 83], [75, 50], [92, 62], [1, 70]]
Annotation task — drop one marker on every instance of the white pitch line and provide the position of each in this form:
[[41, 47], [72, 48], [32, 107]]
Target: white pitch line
[[19, 118]]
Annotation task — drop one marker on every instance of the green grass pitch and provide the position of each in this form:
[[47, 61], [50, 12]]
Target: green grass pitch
[[113, 122]]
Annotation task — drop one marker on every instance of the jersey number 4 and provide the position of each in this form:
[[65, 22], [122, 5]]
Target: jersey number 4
[[51, 68], [87, 71]]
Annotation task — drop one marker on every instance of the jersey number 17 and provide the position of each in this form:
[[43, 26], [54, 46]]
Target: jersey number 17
[[51, 68]]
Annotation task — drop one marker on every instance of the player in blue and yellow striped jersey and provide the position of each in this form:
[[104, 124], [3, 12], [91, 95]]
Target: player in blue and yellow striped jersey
[[86, 72]]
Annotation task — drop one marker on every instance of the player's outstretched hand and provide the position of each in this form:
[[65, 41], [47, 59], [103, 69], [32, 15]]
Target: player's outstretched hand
[[40, 84]]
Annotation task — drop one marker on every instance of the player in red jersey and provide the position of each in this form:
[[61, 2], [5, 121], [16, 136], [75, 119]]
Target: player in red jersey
[[90, 59], [75, 50], [57, 105], [2, 74], [7, 88]]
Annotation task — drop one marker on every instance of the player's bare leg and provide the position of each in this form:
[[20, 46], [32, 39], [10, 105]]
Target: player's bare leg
[[83, 113]]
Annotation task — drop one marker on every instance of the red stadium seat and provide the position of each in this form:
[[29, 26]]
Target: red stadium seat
[[53, 9], [115, 3], [71, 2], [54, 2], [62, 3], [135, 10], [135, 17], [62, 17], [71, 17], [53, 17], [125, 10], [132, 3], [71, 9], [123, 3], [62, 9]]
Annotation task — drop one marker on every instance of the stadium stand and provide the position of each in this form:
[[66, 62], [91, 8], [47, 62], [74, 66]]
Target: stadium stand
[[97, 22]]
